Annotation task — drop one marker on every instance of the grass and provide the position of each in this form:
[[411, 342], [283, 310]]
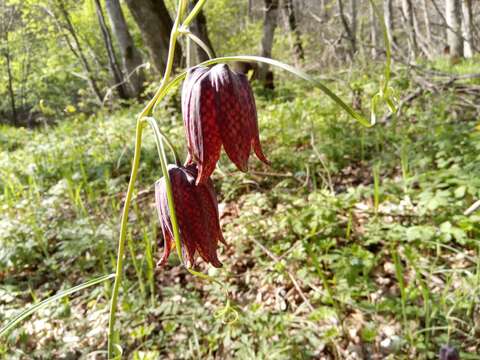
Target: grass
[[352, 243]]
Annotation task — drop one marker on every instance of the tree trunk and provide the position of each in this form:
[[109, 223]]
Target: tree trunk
[[454, 30], [350, 28], [323, 10], [467, 26], [373, 32], [118, 82], [199, 28], [11, 92], [250, 9], [426, 19], [79, 50], [354, 23], [388, 17], [289, 12], [407, 9], [269, 25], [155, 26], [131, 57]]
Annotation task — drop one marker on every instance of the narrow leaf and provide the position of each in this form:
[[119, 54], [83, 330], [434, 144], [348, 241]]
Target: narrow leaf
[[34, 308]]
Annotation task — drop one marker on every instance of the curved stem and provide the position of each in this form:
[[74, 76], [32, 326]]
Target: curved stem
[[163, 163], [131, 185], [198, 42], [121, 241], [193, 13], [357, 116], [160, 135]]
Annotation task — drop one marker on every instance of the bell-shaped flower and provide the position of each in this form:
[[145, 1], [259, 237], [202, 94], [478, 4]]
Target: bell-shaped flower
[[219, 109], [448, 353], [196, 210]]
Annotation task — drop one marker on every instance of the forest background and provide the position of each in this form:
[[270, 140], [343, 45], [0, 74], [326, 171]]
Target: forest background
[[356, 243]]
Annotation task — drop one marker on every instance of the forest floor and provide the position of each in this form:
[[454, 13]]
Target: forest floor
[[354, 244]]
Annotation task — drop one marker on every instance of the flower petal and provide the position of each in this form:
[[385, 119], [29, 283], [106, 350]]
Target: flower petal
[[232, 115], [247, 93]]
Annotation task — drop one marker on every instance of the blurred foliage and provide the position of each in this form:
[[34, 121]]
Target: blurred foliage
[[319, 261]]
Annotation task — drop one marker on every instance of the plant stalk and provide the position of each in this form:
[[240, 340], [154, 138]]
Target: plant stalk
[[131, 185]]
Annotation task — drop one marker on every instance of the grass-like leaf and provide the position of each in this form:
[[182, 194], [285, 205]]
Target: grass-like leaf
[[32, 309]]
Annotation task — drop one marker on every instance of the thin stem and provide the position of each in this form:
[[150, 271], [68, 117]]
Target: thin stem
[[160, 135], [193, 13], [199, 43], [357, 116], [121, 241], [131, 185], [170, 201]]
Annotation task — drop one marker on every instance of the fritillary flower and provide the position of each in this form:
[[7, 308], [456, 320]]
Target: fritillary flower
[[219, 109], [196, 209]]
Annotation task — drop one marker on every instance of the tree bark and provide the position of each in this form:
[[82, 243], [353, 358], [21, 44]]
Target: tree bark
[[155, 26], [112, 58], [289, 12], [269, 25], [79, 50], [131, 57], [426, 19], [373, 32], [407, 9], [11, 92], [388, 18], [350, 28], [199, 28], [467, 26], [454, 30]]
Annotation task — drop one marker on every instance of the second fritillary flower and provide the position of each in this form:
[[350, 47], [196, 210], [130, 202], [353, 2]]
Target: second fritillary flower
[[197, 215]]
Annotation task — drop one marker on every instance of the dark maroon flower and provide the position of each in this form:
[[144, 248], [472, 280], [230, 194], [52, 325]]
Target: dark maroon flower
[[448, 353], [197, 216], [219, 109]]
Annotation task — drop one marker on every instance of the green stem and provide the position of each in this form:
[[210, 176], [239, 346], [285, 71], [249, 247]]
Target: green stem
[[357, 116], [131, 185], [193, 13], [160, 135], [121, 241]]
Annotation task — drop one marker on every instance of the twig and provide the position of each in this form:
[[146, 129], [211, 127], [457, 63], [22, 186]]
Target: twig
[[290, 275], [472, 208]]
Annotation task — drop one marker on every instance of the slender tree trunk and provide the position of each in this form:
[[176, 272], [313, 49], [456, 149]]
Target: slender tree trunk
[[350, 28], [426, 19], [199, 28], [11, 92], [112, 59], [388, 18], [454, 29], [354, 23], [467, 26], [442, 16], [373, 32], [249, 9], [407, 8], [269, 25], [323, 10], [131, 57], [79, 51], [155, 26], [289, 12]]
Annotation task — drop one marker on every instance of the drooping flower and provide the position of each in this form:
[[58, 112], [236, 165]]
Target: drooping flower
[[448, 353], [196, 209], [219, 109]]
